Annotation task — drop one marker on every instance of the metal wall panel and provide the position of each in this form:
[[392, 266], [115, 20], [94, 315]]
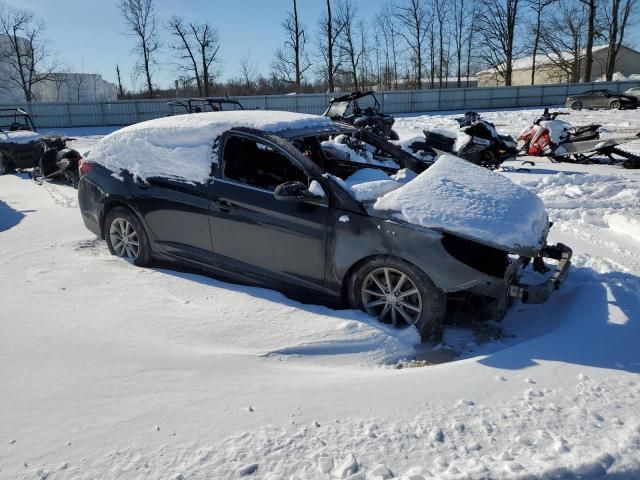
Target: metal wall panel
[[126, 112]]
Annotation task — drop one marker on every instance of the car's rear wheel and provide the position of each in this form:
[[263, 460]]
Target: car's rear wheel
[[126, 237], [615, 105], [576, 106], [400, 294]]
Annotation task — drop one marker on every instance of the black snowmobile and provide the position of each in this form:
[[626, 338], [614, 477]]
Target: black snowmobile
[[477, 141], [362, 110], [58, 163]]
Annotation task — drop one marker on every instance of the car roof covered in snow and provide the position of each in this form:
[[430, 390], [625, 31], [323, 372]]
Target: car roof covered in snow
[[182, 146]]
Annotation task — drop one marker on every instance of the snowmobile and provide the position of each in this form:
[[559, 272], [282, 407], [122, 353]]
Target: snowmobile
[[561, 142], [477, 141], [58, 163], [198, 105], [22, 147], [350, 109]]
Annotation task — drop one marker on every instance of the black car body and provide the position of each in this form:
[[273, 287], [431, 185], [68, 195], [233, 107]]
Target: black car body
[[601, 98], [273, 212]]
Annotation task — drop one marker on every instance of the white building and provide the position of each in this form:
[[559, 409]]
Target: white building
[[61, 87], [76, 87]]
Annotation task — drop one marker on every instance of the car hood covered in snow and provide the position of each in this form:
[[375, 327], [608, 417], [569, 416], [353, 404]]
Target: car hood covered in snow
[[460, 198]]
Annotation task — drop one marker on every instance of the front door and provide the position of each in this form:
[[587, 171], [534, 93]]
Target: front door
[[276, 242]]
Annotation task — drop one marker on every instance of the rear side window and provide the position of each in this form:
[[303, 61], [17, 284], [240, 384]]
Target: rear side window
[[258, 164]]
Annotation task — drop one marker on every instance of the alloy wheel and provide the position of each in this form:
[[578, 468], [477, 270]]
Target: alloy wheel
[[392, 296], [124, 239]]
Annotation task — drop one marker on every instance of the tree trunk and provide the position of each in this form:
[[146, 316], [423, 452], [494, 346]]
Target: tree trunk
[[613, 35], [588, 57], [330, 47]]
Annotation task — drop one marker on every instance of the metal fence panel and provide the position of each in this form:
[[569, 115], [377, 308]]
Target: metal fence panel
[[126, 112]]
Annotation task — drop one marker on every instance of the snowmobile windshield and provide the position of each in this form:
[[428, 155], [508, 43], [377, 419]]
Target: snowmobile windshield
[[338, 109]]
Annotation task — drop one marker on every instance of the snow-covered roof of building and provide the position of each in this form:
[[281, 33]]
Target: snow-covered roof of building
[[181, 146], [526, 63]]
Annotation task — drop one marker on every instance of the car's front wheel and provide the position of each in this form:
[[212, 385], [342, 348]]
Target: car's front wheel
[[615, 105], [576, 106], [126, 237], [400, 294]]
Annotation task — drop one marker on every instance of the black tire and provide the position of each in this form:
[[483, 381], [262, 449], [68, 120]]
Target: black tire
[[576, 106], [615, 105], [394, 135], [142, 257], [6, 166], [433, 301]]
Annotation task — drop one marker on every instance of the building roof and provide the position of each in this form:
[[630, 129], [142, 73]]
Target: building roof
[[526, 63]]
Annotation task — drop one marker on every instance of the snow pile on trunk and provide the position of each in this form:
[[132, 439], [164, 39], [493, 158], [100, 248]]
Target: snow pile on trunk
[[462, 198], [182, 146], [20, 137]]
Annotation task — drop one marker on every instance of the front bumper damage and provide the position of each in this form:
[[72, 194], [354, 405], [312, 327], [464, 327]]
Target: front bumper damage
[[541, 292]]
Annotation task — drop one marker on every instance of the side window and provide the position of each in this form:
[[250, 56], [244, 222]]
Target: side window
[[258, 164]]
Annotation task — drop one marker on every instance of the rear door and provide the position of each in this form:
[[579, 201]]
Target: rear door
[[177, 214], [276, 242]]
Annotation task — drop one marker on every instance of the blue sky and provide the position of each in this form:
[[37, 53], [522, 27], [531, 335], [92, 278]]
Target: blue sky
[[88, 34]]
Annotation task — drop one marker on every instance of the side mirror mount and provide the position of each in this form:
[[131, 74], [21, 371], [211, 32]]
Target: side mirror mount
[[293, 191]]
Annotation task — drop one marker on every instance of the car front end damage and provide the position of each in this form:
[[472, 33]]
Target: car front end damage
[[501, 276]]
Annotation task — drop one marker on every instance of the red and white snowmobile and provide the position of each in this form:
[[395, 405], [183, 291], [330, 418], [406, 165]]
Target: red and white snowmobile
[[561, 142]]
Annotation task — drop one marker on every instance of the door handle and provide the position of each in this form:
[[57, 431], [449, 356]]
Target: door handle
[[225, 206]]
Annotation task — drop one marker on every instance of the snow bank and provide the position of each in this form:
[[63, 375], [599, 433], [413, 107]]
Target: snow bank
[[20, 137], [625, 223], [457, 196], [182, 146]]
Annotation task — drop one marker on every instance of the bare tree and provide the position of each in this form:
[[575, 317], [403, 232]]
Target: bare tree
[[471, 30], [441, 10], [459, 13], [350, 40], [591, 33], [290, 62], [412, 16], [538, 7], [59, 80], [77, 80], [387, 25], [249, 71], [139, 16], [197, 45], [120, 89], [329, 31], [25, 56], [617, 19], [497, 28], [563, 37]]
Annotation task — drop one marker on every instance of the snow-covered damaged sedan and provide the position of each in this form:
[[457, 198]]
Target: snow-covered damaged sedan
[[319, 210]]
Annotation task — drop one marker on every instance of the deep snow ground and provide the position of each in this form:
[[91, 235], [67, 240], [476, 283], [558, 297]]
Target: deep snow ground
[[110, 371]]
